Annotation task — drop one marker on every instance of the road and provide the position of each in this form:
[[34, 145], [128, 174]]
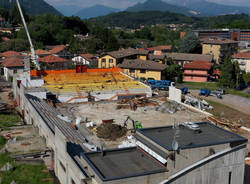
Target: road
[[236, 102]]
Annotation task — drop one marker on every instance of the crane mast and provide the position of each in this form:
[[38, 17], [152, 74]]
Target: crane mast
[[33, 53]]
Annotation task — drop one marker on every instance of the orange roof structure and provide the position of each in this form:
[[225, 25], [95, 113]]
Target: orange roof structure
[[13, 62], [243, 55], [5, 38], [57, 49], [160, 47], [52, 59], [10, 53], [200, 65], [42, 52]]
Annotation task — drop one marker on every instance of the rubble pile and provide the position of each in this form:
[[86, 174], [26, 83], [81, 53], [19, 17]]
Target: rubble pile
[[6, 109], [170, 107], [134, 103], [111, 131], [197, 103]]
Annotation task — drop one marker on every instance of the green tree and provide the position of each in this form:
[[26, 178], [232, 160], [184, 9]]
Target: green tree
[[246, 77], [227, 77], [14, 44], [174, 71], [15, 17], [4, 13], [189, 44]]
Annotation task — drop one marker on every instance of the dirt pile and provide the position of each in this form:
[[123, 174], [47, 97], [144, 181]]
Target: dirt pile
[[111, 131]]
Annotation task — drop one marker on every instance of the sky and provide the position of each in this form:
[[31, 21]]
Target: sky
[[122, 4]]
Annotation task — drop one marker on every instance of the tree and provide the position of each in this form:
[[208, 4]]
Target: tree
[[14, 44], [189, 44], [4, 13], [15, 17], [246, 77], [227, 77], [174, 71]]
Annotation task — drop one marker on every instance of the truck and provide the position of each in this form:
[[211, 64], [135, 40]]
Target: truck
[[159, 84]]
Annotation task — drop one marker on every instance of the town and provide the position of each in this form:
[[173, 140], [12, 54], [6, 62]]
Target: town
[[83, 102]]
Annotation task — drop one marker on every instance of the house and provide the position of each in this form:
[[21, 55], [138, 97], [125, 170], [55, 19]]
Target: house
[[198, 71], [160, 50], [112, 59], [59, 50], [6, 30], [183, 58], [42, 53], [144, 69], [219, 48], [244, 61], [12, 65], [9, 54], [86, 59], [157, 58], [53, 62]]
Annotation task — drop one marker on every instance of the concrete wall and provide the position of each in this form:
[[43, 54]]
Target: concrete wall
[[215, 170], [107, 63], [9, 72], [175, 94], [212, 50], [149, 74]]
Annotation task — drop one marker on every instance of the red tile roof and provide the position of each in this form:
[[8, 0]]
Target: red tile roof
[[199, 65], [42, 52], [10, 53], [13, 62], [52, 59], [57, 49], [5, 38], [160, 47], [243, 55], [87, 56]]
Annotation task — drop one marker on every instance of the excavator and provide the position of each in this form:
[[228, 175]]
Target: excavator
[[136, 124]]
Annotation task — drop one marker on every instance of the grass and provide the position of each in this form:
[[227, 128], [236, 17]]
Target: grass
[[23, 173], [2, 142], [238, 93], [7, 120]]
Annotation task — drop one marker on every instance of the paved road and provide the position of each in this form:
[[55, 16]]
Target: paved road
[[237, 102]]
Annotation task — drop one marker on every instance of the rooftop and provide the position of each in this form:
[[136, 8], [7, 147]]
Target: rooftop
[[52, 59], [188, 138], [56, 49], [127, 52], [143, 64], [218, 41], [200, 65], [42, 52], [10, 53], [161, 47], [189, 57], [122, 163], [243, 55], [14, 61]]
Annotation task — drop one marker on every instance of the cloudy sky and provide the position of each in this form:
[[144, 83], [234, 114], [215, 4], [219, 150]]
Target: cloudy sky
[[122, 4]]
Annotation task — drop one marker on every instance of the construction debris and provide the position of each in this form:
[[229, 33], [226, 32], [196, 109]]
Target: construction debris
[[225, 123], [134, 103], [197, 103], [130, 142], [111, 131], [170, 107], [6, 167]]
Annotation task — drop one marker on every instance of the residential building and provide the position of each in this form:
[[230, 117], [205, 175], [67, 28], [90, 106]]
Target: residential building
[[42, 53], [198, 71], [183, 58], [59, 50], [12, 65], [7, 54], [219, 48], [6, 30], [112, 59], [144, 69], [86, 59], [53, 62], [160, 50], [244, 61], [157, 58]]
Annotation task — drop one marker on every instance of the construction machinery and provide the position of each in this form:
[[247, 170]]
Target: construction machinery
[[207, 92], [136, 124], [33, 53]]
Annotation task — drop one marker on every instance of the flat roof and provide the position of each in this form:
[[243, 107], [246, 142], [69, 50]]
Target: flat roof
[[122, 163], [210, 135]]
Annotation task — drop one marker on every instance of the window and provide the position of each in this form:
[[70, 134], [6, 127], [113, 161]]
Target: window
[[229, 177], [110, 60], [131, 71], [143, 71], [62, 166], [103, 60], [15, 71]]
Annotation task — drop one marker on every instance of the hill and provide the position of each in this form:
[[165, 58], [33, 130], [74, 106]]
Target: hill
[[95, 11], [34, 7], [136, 19], [67, 10], [210, 8], [158, 5]]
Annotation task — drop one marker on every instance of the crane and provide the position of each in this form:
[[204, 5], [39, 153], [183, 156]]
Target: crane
[[33, 53]]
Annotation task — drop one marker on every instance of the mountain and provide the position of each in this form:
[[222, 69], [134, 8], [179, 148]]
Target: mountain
[[95, 11], [209, 8], [158, 5], [68, 10], [31, 7]]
